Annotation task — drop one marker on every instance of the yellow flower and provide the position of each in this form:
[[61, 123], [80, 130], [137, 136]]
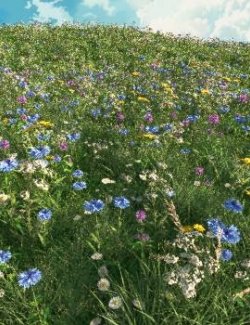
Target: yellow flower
[[5, 120], [186, 229], [227, 79], [46, 124], [245, 161], [50, 157], [143, 99], [205, 91], [149, 136], [247, 192], [167, 87], [198, 227], [135, 74]]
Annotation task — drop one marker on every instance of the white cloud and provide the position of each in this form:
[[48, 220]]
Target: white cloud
[[104, 4], [28, 5], [225, 19], [46, 11]]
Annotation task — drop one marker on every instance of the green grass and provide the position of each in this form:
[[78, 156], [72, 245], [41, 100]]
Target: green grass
[[180, 76]]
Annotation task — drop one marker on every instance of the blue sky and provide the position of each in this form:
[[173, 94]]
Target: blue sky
[[225, 19]]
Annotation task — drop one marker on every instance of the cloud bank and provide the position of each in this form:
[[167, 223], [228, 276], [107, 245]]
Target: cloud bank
[[48, 11], [225, 19]]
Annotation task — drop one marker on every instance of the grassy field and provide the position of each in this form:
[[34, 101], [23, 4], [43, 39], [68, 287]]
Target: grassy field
[[124, 174]]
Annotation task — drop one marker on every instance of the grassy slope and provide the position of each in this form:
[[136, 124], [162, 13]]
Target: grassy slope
[[69, 274]]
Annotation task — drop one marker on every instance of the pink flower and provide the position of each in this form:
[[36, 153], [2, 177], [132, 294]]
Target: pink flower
[[185, 123], [23, 117], [214, 119], [120, 117], [140, 215], [148, 117], [142, 237], [63, 146], [199, 171], [173, 115], [4, 144], [244, 98], [22, 100]]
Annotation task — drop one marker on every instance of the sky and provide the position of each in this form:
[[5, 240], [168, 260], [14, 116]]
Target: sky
[[223, 19]]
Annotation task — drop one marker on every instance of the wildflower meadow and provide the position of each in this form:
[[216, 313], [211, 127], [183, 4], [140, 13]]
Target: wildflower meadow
[[124, 177]]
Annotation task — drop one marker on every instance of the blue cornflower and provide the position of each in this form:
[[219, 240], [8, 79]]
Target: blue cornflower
[[123, 131], [215, 226], [8, 165], [21, 110], [224, 109], [192, 118], [240, 118], [78, 186], [73, 136], [13, 120], [74, 103], [93, 206], [152, 129], [33, 118], [45, 97], [121, 202], [43, 137], [95, 112], [245, 127], [22, 84], [121, 97], [57, 158], [37, 106], [29, 278], [78, 173], [185, 151], [233, 205], [5, 256], [39, 152], [226, 255], [231, 235], [44, 214], [167, 127], [30, 93]]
